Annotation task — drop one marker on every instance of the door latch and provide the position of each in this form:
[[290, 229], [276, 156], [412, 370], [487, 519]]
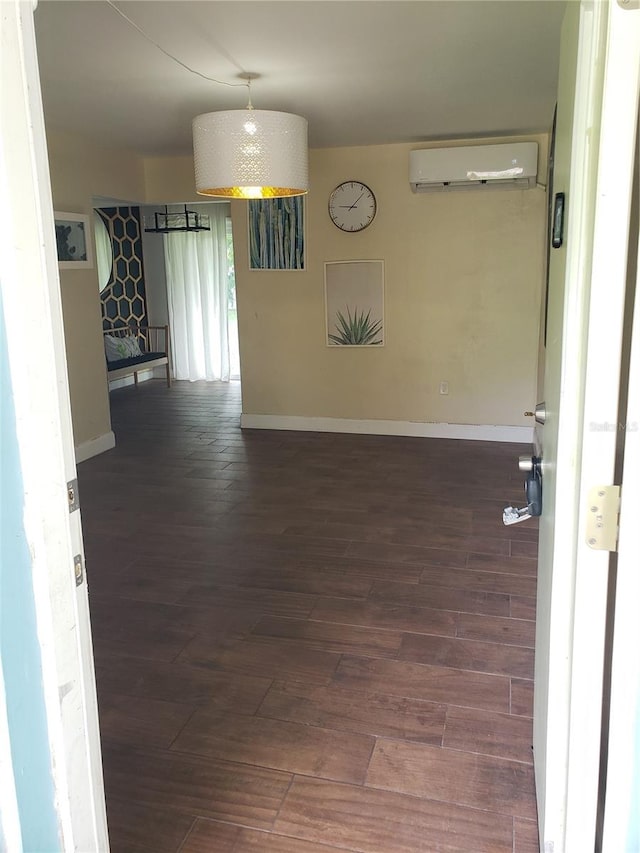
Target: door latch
[[73, 498], [77, 569]]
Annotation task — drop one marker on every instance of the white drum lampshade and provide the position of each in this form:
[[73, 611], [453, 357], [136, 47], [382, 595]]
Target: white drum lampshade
[[250, 154]]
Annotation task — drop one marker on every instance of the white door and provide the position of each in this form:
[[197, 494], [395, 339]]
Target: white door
[[597, 109], [30, 292]]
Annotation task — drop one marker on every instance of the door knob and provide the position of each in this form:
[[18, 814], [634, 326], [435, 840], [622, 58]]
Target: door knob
[[525, 463], [539, 414]]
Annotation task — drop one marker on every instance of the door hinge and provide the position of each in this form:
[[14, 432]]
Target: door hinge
[[72, 495], [603, 514], [77, 568]]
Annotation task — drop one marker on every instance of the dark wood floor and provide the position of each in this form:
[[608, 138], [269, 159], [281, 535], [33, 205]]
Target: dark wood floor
[[307, 642]]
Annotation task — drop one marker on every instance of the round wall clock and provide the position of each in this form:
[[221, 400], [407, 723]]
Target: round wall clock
[[352, 206]]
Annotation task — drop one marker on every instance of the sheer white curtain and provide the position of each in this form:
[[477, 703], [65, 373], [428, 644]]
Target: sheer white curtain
[[197, 291]]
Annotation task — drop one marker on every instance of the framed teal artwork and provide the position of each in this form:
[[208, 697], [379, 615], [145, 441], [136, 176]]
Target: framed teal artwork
[[277, 233]]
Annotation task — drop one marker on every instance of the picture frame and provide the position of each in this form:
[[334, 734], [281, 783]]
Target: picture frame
[[354, 303], [74, 241], [277, 233]]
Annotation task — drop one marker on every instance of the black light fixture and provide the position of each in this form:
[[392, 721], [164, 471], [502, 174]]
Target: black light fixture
[[181, 220]]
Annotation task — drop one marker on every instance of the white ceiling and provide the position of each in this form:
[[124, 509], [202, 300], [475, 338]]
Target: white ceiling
[[361, 72]]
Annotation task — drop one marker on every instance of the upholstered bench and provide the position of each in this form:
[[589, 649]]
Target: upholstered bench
[[131, 349]]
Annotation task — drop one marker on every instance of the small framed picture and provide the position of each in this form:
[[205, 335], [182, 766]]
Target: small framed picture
[[73, 240], [557, 233]]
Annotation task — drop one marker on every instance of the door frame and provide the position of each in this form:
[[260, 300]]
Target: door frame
[[568, 712], [30, 290], [621, 788], [608, 291]]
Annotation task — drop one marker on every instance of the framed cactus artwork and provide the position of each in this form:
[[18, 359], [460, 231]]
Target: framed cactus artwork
[[354, 303]]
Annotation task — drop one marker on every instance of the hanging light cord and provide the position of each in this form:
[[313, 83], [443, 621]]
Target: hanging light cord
[[171, 56]]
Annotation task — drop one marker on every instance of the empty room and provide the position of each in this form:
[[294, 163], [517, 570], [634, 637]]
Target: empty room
[[320, 389]]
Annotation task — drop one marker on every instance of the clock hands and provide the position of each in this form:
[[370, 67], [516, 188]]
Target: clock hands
[[355, 203]]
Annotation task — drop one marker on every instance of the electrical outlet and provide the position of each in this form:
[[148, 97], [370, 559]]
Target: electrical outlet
[[444, 387]]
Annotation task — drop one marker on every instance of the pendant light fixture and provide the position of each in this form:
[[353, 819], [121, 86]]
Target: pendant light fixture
[[244, 153], [250, 153]]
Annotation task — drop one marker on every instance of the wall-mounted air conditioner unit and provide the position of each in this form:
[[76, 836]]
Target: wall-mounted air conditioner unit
[[511, 165]]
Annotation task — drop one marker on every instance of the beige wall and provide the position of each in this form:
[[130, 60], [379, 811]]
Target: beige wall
[[463, 286], [170, 180], [81, 170], [463, 283]]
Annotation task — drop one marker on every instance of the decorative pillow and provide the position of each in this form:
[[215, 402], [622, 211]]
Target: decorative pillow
[[132, 344], [117, 348]]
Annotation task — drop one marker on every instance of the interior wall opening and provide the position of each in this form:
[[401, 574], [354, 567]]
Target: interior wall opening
[[183, 279]]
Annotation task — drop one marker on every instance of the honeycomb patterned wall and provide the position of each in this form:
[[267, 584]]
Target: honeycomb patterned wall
[[123, 299]]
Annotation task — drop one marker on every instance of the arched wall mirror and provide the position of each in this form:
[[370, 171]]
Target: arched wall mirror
[[104, 251]]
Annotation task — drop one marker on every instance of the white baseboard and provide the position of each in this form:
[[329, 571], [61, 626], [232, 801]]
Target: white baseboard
[[470, 432], [95, 446]]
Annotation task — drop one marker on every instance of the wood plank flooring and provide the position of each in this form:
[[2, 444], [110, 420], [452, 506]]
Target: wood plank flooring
[[307, 643]]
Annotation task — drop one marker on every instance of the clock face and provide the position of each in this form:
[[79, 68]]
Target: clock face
[[352, 206]]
